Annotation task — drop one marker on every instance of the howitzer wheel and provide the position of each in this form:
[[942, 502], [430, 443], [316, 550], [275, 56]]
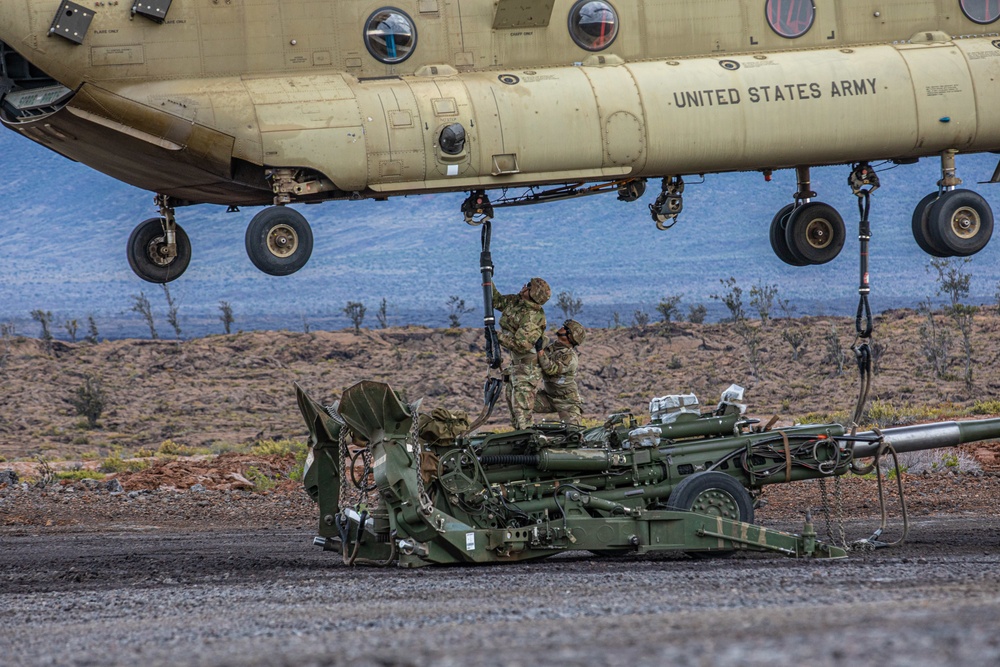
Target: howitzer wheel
[[715, 494]]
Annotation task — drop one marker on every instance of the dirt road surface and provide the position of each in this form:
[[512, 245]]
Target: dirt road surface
[[138, 594]]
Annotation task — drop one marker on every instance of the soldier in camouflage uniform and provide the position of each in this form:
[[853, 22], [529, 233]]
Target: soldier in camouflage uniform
[[522, 324], [558, 363]]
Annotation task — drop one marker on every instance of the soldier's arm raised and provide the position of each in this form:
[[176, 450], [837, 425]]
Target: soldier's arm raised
[[499, 300]]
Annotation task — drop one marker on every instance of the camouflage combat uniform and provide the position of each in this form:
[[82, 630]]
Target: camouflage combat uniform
[[559, 392], [523, 322]]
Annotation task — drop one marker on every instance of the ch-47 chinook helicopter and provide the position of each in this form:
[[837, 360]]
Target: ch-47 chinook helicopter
[[261, 102]]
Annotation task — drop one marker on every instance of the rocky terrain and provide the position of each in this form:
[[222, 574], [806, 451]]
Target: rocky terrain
[[222, 391]]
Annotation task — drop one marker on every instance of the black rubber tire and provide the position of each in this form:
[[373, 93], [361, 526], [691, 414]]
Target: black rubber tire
[[713, 493], [803, 229], [952, 211], [270, 232], [778, 243], [921, 232], [144, 259]]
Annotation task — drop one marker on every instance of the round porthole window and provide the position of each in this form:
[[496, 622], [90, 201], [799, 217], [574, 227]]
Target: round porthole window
[[790, 18], [593, 24], [981, 11], [390, 35]]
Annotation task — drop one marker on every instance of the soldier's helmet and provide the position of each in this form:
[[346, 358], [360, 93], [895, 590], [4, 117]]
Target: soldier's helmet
[[539, 291], [574, 331]]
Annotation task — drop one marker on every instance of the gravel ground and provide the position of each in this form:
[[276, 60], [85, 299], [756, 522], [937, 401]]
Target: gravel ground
[[230, 578]]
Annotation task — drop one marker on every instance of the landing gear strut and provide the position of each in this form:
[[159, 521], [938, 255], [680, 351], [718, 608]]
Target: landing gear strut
[[952, 222], [807, 232], [158, 249]]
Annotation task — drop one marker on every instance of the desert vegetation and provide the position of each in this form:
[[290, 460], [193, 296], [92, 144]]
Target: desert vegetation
[[114, 399]]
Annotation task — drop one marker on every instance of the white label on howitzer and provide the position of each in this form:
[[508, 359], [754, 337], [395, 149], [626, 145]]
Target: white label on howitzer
[[380, 461], [470, 541]]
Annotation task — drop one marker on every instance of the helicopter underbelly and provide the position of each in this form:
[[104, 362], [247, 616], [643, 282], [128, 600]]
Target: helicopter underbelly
[[154, 152]]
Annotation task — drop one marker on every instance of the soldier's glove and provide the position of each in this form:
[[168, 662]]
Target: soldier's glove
[[540, 343]]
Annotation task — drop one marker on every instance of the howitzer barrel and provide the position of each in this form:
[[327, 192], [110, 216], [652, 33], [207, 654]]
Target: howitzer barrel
[[931, 436]]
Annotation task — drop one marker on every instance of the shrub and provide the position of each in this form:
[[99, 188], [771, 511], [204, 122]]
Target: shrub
[[697, 313], [141, 305], [90, 400], [456, 308], [668, 307], [44, 318], [171, 448], [79, 474], [991, 407], [382, 315], [227, 316], [355, 311], [277, 447], [118, 464], [260, 480], [931, 461], [569, 305]]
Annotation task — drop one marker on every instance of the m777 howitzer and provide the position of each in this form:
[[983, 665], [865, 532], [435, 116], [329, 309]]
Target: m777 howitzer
[[398, 488]]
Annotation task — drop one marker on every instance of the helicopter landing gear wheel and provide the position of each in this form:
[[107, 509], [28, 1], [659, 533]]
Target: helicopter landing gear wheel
[[715, 494], [778, 243], [960, 223], [815, 233], [150, 255], [279, 241], [921, 229]]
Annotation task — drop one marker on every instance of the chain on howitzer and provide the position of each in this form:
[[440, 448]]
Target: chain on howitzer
[[355, 493], [425, 502], [840, 539]]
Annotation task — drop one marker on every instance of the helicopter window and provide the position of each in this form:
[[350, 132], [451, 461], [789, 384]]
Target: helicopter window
[[790, 18], [981, 11], [390, 35], [593, 24]]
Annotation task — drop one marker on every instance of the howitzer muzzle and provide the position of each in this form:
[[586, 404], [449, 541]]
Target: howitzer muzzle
[[931, 436]]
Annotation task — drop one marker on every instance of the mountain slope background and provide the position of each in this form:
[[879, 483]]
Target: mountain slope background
[[220, 392], [63, 230]]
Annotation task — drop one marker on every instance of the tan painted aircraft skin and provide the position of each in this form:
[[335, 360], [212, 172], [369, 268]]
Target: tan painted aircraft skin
[[202, 106]]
